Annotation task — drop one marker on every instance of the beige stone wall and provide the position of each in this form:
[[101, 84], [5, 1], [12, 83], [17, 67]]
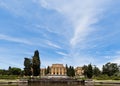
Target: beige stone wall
[[43, 72], [79, 71], [58, 69]]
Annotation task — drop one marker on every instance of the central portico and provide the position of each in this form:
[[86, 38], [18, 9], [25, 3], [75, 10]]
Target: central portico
[[57, 69]]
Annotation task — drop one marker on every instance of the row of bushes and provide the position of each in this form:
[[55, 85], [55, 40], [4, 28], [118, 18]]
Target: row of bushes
[[11, 77], [101, 77], [106, 77]]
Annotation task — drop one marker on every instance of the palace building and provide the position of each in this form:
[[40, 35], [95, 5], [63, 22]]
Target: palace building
[[60, 70], [57, 69]]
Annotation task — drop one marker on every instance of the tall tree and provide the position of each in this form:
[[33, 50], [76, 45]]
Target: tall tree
[[9, 70], [71, 71], [48, 70], [67, 70], [36, 63], [27, 69], [110, 69], [96, 71], [85, 68], [89, 71]]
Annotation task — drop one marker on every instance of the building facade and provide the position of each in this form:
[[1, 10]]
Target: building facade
[[60, 70], [79, 71], [43, 70], [57, 69]]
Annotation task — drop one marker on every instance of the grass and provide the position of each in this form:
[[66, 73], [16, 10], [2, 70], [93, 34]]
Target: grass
[[9, 77]]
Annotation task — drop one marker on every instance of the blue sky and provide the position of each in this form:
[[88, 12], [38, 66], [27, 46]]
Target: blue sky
[[73, 32]]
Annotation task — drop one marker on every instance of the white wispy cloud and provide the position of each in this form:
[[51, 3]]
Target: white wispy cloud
[[52, 44], [19, 8], [39, 27], [14, 39], [61, 53], [83, 14], [77, 59], [2, 4], [118, 52], [31, 42], [115, 58]]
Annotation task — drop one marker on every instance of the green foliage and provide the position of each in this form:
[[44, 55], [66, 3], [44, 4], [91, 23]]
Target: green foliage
[[96, 71], [15, 71], [11, 77], [70, 71], [36, 63], [115, 77], [110, 72], [85, 68], [47, 70], [11, 71], [102, 77], [4, 72], [27, 69], [110, 69], [89, 71], [106, 77], [67, 71]]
